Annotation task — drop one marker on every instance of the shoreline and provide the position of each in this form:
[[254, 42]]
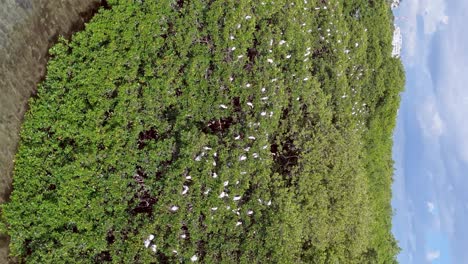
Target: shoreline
[[27, 30]]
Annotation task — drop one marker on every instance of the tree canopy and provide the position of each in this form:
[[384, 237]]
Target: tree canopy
[[216, 131]]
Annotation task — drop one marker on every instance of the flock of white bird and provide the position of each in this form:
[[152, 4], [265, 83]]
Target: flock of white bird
[[326, 35]]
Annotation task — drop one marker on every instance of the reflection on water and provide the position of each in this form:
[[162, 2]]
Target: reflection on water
[[27, 29]]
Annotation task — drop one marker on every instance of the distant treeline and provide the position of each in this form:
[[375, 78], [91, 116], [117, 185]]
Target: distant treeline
[[215, 131]]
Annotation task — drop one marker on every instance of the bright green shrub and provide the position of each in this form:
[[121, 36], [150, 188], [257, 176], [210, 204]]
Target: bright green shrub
[[159, 109]]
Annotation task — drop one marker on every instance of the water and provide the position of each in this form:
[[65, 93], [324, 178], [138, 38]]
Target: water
[[27, 29]]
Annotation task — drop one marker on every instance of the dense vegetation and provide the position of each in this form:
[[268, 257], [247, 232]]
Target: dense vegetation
[[217, 131]]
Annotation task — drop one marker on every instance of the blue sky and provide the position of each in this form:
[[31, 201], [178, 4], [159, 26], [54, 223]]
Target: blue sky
[[430, 192]]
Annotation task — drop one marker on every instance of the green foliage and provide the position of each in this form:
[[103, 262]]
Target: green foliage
[[232, 131]]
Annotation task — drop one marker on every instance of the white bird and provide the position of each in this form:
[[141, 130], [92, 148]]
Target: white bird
[[154, 248], [207, 191], [147, 243], [237, 137], [251, 137], [223, 194], [214, 208], [238, 223], [188, 177], [243, 157], [282, 42], [194, 258], [255, 155], [215, 175], [223, 106], [174, 208], [237, 198], [263, 89], [186, 188], [226, 183], [264, 98], [270, 60], [288, 56], [248, 85], [248, 17], [263, 114], [249, 212]]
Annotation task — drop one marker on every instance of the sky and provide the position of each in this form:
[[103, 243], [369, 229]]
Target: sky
[[430, 191]]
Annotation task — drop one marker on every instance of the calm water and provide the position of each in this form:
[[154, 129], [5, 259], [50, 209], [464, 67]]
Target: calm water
[[27, 29]]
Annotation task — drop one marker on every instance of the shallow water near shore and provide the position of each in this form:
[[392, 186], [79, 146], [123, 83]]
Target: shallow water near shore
[[28, 28]]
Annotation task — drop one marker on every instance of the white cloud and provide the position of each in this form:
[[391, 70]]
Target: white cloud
[[433, 14], [445, 20], [430, 121], [430, 207], [452, 94], [432, 255], [437, 125], [408, 20], [436, 221]]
